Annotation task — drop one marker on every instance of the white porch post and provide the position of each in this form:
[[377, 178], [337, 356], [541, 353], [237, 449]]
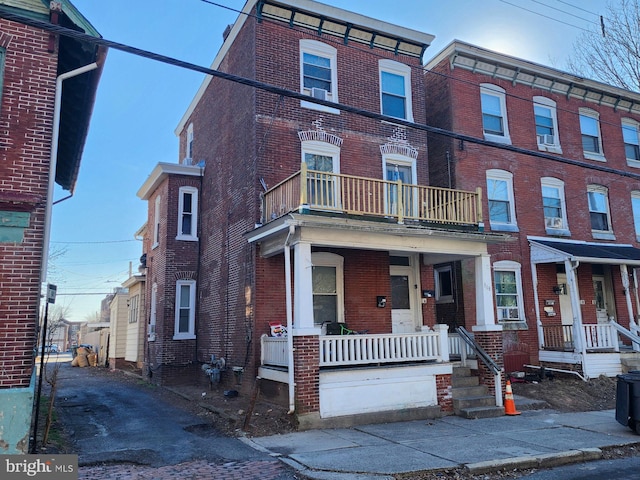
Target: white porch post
[[303, 290], [443, 340], [624, 273], [534, 278], [570, 268], [485, 316]]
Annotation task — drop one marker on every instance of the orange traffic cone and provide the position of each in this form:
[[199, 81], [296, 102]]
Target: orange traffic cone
[[509, 404]]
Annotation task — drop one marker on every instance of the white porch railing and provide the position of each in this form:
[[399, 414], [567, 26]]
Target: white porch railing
[[600, 337], [383, 348], [459, 348], [274, 351]]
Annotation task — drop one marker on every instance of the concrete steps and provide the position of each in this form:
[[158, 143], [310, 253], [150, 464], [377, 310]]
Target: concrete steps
[[470, 399]]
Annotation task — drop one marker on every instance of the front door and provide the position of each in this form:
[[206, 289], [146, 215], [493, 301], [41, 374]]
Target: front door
[[403, 316], [400, 171], [600, 298]]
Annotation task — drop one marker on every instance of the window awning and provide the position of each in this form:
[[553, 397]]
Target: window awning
[[549, 251]]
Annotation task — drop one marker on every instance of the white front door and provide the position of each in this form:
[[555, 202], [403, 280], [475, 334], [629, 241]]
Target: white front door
[[600, 296], [403, 315], [566, 311]]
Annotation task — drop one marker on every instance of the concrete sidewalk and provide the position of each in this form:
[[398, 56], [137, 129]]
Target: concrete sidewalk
[[536, 438]]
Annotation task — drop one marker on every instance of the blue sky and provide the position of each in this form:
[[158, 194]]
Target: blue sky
[[140, 102]]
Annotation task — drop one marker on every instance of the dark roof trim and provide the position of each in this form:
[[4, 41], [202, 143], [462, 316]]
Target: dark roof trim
[[549, 251]]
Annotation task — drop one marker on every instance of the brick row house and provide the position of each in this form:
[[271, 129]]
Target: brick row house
[[31, 62], [559, 160], [328, 240], [285, 213]]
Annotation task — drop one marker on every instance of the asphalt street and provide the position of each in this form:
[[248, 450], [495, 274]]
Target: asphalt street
[[118, 426]]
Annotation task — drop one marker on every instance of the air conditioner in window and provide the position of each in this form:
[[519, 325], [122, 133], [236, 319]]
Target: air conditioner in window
[[546, 140], [319, 93], [553, 222]]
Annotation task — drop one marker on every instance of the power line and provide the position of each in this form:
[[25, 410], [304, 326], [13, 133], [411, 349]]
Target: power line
[[301, 96], [578, 8], [563, 11], [546, 16]]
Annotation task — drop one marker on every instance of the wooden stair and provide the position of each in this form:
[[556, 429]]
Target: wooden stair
[[470, 399]]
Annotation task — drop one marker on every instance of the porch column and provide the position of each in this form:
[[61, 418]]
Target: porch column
[[487, 333], [570, 268], [485, 313], [303, 290], [624, 273]]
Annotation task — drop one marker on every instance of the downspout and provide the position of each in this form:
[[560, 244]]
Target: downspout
[[53, 161], [289, 307]]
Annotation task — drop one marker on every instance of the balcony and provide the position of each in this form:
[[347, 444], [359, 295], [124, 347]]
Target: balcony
[[315, 191]]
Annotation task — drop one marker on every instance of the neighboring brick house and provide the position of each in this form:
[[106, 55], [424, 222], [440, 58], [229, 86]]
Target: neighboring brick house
[[31, 60], [309, 216], [566, 187]]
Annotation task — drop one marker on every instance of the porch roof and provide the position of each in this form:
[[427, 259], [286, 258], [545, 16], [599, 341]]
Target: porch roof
[[550, 251]]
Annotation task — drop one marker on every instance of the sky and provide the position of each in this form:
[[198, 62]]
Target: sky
[[140, 102]]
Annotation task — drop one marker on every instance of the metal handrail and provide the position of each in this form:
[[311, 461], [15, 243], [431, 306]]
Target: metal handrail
[[484, 356]]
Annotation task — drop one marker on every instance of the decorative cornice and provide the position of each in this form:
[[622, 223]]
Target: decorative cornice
[[399, 145], [319, 134]]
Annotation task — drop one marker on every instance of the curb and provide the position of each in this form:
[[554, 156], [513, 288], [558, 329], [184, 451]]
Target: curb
[[547, 460]]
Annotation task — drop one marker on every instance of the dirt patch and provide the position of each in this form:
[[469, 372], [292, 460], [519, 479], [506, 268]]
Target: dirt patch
[[567, 393]]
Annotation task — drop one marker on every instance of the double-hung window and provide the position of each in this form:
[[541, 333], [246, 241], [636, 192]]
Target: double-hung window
[[156, 222], [187, 213], [546, 120], [494, 113], [151, 333], [328, 287], [185, 319], [395, 89], [508, 291], [554, 206], [599, 212], [590, 131], [631, 137], [134, 306], [318, 74], [635, 206], [502, 213]]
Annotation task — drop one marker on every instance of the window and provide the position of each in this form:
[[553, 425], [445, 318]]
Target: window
[[444, 284], [395, 89], [502, 214], [185, 310], [554, 206], [318, 74], [631, 139], [494, 113], [156, 223], [590, 130], [187, 214], [328, 287], [134, 308], [635, 206], [188, 160], [508, 288], [599, 212], [544, 110], [403, 168], [153, 313], [324, 159]]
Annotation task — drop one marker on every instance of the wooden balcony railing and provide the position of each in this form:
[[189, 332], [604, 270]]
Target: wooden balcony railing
[[596, 337], [558, 337], [333, 192]]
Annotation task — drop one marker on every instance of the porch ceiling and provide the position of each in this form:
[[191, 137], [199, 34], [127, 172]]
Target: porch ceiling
[[549, 251], [438, 244]]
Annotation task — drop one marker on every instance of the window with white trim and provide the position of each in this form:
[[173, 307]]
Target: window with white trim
[[502, 212], [599, 212], [494, 113], [187, 214], [324, 160], [631, 137], [546, 119], [395, 89], [444, 284], [318, 74], [554, 206], [400, 167], [156, 222], [134, 306], [507, 278], [635, 207], [153, 312], [591, 137], [185, 319], [188, 160], [328, 287]]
